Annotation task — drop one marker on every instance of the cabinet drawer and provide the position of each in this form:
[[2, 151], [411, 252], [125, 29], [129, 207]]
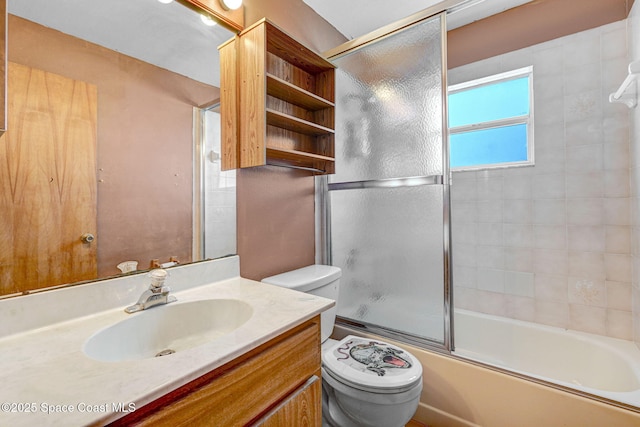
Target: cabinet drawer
[[300, 409], [242, 390]]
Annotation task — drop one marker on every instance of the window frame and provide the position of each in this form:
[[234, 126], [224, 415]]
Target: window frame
[[526, 119]]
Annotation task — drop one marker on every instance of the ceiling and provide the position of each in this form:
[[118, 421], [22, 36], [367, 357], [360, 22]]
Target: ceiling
[[170, 36], [354, 18]]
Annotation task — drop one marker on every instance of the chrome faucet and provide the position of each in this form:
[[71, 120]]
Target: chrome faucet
[[157, 294]]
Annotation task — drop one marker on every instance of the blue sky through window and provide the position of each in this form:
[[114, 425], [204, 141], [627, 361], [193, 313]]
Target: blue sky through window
[[489, 122], [489, 146]]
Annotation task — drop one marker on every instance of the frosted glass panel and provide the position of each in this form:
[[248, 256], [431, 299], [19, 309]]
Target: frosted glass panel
[[389, 244], [389, 107]]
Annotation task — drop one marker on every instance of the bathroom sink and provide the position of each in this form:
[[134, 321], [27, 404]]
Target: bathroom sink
[[164, 330]]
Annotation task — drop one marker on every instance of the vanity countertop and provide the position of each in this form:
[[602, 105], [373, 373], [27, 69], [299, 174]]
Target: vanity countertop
[[48, 380]]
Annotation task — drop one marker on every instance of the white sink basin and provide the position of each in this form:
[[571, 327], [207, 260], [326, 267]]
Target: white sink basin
[[167, 329]]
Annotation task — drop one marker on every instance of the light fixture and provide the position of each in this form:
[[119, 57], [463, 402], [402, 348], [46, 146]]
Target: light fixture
[[207, 20], [231, 4], [165, 1]]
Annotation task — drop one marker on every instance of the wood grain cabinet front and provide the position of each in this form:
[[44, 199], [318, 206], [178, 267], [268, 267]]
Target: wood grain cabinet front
[[276, 384], [3, 65], [280, 102]]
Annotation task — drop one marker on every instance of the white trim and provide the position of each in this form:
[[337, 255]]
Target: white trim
[[507, 75]]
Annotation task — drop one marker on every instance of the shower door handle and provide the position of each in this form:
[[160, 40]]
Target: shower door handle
[[412, 181]]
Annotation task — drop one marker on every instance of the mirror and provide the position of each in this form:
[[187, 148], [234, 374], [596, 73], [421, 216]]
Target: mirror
[[98, 159]]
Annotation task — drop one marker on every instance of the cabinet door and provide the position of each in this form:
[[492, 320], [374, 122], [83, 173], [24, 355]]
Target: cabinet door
[[302, 408]]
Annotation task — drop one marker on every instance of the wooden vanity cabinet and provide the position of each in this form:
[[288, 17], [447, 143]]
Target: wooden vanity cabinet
[[285, 92], [276, 384]]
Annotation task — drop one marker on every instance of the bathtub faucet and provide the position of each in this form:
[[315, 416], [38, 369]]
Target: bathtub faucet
[[157, 294]]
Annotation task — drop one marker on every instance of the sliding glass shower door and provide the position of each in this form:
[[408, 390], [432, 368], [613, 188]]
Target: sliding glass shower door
[[388, 202]]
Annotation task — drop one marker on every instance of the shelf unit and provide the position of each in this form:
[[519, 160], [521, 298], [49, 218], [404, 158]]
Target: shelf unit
[[285, 93]]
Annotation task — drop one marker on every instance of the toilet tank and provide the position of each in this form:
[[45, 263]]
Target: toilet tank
[[320, 280]]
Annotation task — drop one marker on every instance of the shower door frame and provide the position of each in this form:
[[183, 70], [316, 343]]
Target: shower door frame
[[323, 202]]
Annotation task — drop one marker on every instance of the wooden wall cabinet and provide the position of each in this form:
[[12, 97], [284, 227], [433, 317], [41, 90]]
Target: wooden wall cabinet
[[276, 384], [285, 93]]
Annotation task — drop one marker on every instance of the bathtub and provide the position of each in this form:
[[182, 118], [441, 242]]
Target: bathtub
[[594, 364]]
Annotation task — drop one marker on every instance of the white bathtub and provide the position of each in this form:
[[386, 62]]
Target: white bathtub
[[598, 365]]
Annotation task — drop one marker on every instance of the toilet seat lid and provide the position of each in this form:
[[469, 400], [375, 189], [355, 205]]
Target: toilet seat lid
[[372, 364]]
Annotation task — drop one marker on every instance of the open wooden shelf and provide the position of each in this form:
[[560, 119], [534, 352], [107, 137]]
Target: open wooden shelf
[[293, 94], [294, 124], [285, 93], [300, 159]]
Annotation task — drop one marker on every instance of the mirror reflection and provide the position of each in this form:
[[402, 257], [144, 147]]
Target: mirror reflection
[[98, 160]]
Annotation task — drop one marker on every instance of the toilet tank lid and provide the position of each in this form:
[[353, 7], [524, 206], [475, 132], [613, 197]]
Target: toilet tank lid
[[306, 278]]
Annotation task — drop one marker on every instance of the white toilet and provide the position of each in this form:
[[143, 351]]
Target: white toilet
[[365, 382]]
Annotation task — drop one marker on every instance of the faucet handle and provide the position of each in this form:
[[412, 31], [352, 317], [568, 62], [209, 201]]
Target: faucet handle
[[158, 277]]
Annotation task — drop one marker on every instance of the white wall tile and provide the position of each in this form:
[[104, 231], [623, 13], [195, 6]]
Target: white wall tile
[[519, 283], [490, 257], [619, 295], [586, 292], [489, 211], [584, 185], [464, 277], [617, 211], [585, 211], [549, 212], [518, 211], [519, 259], [550, 262], [519, 186], [589, 238], [617, 183], [463, 233], [490, 280], [589, 265], [521, 308], [584, 158], [550, 186], [550, 287], [618, 239], [581, 49], [588, 319], [618, 267], [616, 155], [619, 324], [580, 133], [552, 313], [518, 235], [489, 234]]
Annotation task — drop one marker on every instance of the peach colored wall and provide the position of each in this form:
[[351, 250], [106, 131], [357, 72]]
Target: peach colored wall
[[276, 205], [145, 129], [530, 24]]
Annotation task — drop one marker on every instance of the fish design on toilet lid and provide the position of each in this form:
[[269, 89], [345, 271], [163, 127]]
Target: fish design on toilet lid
[[375, 363]]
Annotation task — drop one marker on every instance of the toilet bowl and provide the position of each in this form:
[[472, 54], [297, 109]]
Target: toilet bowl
[[366, 382]]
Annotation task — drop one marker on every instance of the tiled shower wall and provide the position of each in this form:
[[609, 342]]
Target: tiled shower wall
[[633, 32], [551, 243], [219, 195]]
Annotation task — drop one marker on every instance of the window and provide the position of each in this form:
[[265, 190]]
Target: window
[[491, 121]]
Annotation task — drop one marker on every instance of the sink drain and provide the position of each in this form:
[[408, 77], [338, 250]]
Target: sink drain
[[165, 352]]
